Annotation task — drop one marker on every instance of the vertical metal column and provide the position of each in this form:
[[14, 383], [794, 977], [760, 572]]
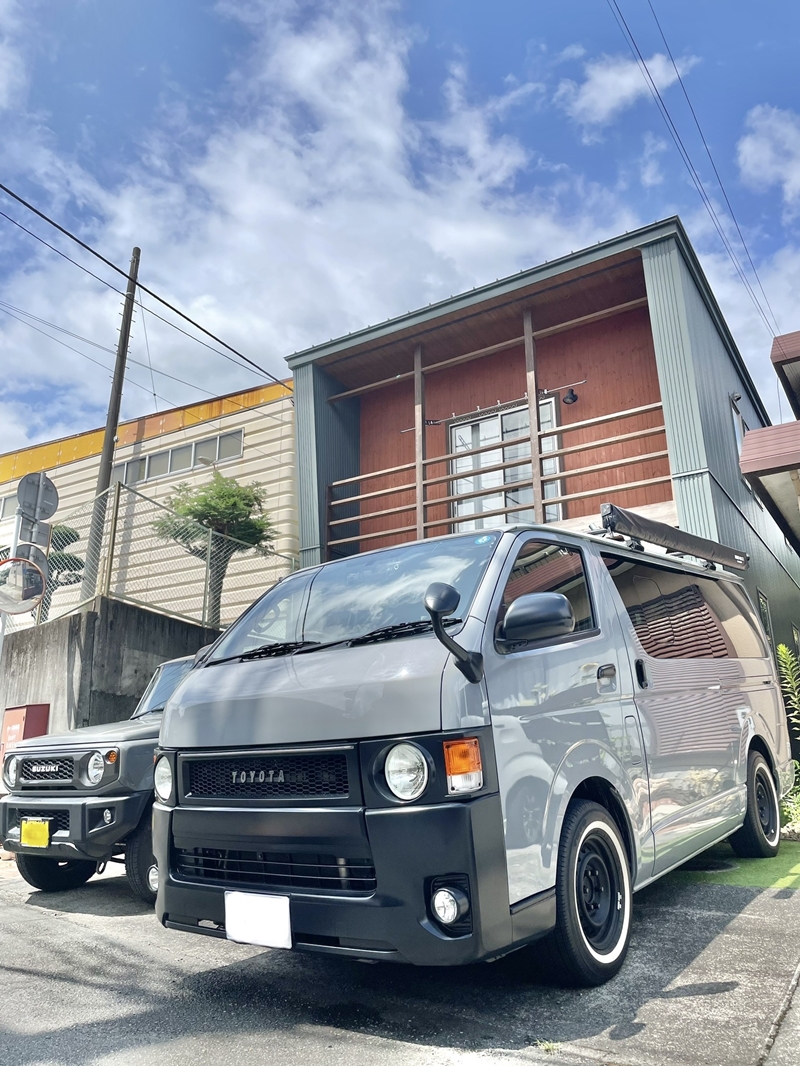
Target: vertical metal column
[[207, 582], [419, 440], [112, 538], [532, 386]]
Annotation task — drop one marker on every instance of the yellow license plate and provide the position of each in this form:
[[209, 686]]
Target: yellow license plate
[[34, 832]]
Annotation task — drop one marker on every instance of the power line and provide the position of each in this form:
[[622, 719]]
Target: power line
[[713, 164], [197, 419], [147, 346], [124, 273], [684, 154], [149, 310]]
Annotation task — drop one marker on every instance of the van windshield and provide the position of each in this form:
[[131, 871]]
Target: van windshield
[[356, 596]]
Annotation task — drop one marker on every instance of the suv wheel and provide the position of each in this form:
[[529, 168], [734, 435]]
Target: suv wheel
[[593, 896], [140, 863], [55, 875], [760, 835]]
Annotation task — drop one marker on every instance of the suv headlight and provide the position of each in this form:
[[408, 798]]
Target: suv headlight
[[94, 768], [162, 779], [11, 771], [406, 771]]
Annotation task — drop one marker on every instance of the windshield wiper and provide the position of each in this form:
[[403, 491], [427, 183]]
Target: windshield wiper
[[268, 650], [150, 710], [265, 651], [402, 629]]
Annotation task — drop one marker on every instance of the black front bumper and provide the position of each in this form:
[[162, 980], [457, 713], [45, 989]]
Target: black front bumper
[[77, 827], [410, 849]]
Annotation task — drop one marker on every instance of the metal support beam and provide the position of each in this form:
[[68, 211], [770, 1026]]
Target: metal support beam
[[419, 440], [533, 411]]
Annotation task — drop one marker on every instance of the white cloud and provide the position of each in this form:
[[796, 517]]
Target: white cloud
[[769, 152], [650, 172], [12, 67], [307, 203], [612, 84]]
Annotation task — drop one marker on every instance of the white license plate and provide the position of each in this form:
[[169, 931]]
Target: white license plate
[[253, 918]]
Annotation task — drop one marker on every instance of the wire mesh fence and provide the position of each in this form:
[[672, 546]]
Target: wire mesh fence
[[129, 547]]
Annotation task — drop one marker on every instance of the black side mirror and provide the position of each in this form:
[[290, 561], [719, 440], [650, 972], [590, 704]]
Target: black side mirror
[[440, 601], [537, 616]]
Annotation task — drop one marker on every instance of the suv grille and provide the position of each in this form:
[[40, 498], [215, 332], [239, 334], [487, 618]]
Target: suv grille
[[275, 869], [319, 775], [59, 819], [46, 769]]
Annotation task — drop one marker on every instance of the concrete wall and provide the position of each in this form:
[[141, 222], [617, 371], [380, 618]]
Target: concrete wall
[[92, 667]]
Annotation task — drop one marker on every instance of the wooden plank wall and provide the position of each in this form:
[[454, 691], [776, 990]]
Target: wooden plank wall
[[615, 356]]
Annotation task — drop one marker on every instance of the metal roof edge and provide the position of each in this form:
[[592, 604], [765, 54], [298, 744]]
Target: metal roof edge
[[698, 275], [650, 233]]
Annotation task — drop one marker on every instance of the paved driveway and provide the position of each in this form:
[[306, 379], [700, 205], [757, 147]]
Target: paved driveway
[[90, 978]]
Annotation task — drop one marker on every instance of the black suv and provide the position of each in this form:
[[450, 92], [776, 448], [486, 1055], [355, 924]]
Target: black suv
[[81, 799]]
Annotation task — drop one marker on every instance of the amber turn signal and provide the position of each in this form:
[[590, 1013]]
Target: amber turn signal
[[462, 760], [111, 756]]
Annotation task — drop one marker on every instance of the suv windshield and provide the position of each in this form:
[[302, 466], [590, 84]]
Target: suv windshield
[[348, 599], [162, 684]]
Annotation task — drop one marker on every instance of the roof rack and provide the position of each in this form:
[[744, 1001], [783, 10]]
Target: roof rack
[[618, 520]]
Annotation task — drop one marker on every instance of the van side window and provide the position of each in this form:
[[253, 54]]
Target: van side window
[[542, 567], [685, 616]]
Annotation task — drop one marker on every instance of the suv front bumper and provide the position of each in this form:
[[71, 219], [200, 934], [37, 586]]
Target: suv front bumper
[[410, 849], [77, 827]]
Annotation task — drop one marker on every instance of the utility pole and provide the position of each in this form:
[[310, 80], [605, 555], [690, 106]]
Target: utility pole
[[94, 547]]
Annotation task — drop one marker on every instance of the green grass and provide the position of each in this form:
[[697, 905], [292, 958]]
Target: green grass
[[781, 872]]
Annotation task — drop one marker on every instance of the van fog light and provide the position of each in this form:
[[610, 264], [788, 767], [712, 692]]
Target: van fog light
[[406, 771], [449, 904]]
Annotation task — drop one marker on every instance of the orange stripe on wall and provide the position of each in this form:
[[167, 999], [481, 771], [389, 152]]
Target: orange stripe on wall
[[56, 453]]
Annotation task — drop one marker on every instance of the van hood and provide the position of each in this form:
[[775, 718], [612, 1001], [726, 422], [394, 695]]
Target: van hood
[[334, 694], [144, 728]]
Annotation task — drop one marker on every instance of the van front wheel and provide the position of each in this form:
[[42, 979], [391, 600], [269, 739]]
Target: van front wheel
[[593, 896], [760, 836]]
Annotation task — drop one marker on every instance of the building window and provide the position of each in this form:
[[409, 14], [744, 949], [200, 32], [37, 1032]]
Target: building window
[[8, 507], [135, 471], [494, 490], [230, 445], [157, 464], [766, 620], [180, 458]]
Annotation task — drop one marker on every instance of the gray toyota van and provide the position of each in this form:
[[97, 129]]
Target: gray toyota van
[[439, 752]]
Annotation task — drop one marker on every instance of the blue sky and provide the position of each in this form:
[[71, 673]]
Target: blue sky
[[294, 170]]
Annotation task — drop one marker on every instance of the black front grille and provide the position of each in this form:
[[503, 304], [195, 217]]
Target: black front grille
[[59, 820], [44, 769], [318, 775], [275, 869]]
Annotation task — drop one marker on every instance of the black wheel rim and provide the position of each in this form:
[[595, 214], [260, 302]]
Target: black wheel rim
[[766, 805], [600, 893]]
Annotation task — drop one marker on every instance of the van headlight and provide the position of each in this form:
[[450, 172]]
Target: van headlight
[[162, 779], [11, 771], [406, 771], [94, 768]]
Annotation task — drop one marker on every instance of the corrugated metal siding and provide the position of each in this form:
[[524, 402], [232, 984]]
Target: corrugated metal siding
[[674, 357], [327, 451], [698, 376], [268, 457]]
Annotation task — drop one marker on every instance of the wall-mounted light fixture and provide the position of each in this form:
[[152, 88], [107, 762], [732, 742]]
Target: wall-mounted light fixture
[[570, 395]]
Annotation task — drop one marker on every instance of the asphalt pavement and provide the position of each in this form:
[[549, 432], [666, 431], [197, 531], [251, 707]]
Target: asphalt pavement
[[89, 978]]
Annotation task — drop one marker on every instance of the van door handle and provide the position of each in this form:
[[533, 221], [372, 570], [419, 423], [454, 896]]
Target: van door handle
[[641, 674], [714, 688], [607, 672]]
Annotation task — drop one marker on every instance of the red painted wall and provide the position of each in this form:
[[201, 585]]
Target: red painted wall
[[616, 358]]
